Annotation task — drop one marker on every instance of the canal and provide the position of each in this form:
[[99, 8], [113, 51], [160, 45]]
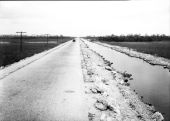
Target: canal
[[151, 82]]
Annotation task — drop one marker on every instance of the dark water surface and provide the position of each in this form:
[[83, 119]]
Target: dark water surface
[[151, 82]]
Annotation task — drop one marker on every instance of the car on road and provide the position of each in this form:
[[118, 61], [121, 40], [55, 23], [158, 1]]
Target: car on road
[[74, 40]]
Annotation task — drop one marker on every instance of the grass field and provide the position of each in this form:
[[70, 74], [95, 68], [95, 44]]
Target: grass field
[[161, 49], [158, 45], [10, 48]]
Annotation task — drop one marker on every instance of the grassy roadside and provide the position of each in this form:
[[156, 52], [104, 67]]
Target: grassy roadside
[[10, 48]]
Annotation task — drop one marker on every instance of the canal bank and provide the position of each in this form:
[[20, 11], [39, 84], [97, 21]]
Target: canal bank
[[151, 82]]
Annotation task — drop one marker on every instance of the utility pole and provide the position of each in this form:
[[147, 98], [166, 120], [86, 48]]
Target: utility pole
[[57, 39], [47, 38], [21, 40], [61, 37]]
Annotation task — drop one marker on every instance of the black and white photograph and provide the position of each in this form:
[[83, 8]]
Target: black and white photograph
[[85, 60]]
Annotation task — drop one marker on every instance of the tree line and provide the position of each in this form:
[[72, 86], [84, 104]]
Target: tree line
[[130, 38]]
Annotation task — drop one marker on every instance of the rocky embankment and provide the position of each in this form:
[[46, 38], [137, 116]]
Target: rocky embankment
[[151, 59], [108, 93]]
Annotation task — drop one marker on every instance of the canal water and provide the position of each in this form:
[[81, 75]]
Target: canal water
[[151, 82]]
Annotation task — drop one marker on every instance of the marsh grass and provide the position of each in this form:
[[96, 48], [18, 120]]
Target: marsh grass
[[160, 49], [158, 45], [10, 47]]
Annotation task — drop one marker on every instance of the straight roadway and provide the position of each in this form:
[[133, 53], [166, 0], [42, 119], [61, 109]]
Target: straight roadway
[[49, 89]]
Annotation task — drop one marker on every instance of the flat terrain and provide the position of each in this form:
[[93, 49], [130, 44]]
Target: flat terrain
[[161, 49], [70, 82], [10, 48]]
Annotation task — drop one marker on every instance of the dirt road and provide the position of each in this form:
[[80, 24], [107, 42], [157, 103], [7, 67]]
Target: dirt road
[[48, 89]]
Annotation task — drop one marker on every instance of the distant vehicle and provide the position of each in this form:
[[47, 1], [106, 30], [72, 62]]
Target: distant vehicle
[[74, 40]]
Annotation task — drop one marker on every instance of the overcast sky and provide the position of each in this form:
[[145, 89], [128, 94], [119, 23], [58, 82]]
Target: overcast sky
[[81, 18]]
